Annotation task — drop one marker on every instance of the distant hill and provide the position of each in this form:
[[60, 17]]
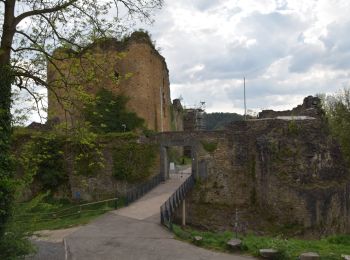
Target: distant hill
[[217, 121]]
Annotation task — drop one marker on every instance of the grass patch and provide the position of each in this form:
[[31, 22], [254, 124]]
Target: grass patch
[[328, 248], [60, 214]]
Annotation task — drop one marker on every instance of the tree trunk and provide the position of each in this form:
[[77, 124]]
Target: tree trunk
[[6, 80], [6, 171]]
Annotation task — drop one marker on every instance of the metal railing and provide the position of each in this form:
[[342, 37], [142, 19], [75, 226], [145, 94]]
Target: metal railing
[[168, 209], [135, 193], [77, 210]]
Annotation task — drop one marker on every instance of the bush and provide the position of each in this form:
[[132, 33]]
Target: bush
[[43, 159], [133, 161], [337, 108]]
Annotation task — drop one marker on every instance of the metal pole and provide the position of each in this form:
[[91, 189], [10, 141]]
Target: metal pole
[[245, 103]]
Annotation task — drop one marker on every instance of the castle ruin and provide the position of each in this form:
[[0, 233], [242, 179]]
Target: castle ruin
[[132, 67]]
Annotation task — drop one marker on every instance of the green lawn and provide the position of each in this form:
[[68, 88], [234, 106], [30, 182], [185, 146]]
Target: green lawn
[[329, 248]]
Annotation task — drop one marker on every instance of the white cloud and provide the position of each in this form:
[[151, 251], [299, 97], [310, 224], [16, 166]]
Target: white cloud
[[287, 49]]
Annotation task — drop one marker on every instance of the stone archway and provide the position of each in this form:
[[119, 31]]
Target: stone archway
[[173, 139]]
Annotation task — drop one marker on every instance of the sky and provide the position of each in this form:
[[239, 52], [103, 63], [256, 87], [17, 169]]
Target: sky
[[286, 50]]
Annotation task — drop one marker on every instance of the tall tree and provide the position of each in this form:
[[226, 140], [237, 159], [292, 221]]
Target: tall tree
[[337, 108], [30, 31]]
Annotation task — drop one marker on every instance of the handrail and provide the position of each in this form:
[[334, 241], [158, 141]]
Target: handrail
[[135, 193], [169, 207]]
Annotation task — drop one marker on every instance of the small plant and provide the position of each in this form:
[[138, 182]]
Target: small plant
[[209, 146], [293, 128]]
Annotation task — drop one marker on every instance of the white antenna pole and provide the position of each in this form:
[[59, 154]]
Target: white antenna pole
[[245, 103]]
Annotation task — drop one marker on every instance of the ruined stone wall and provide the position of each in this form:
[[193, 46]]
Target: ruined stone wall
[[310, 107], [281, 176], [178, 112], [95, 183], [132, 68], [103, 184]]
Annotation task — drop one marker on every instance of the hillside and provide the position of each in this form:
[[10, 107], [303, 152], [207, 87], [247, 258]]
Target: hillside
[[217, 121]]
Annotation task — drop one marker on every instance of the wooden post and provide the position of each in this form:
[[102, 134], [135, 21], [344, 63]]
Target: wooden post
[[184, 213]]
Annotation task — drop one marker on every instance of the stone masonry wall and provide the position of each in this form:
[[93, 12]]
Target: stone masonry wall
[[133, 68], [281, 176], [103, 184]]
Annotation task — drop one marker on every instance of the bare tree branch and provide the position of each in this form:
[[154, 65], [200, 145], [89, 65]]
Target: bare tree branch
[[57, 8], [59, 36]]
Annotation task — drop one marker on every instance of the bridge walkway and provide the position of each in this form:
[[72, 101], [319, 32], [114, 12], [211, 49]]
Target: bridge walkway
[[135, 233]]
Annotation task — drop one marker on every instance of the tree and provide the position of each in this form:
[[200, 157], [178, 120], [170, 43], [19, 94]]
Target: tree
[[337, 108], [31, 30]]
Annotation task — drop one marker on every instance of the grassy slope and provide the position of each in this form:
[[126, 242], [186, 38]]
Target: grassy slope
[[328, 248], [58, 215]]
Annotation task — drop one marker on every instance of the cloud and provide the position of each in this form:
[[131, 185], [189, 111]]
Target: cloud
[[287, 49]]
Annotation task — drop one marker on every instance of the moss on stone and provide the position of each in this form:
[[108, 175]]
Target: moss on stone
[[209, 146]]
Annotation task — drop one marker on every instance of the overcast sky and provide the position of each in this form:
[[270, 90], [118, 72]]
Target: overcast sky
[[286, 49]]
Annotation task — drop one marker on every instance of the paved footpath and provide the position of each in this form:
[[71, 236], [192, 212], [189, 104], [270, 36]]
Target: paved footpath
[[135, 233]]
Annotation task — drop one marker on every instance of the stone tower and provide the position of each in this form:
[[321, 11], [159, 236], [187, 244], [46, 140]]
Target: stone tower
[[132, 67]]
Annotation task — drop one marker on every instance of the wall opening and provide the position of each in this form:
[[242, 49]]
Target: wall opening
[[177, 164]]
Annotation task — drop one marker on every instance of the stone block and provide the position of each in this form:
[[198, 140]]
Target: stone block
[[234, 244], [197, 239], [268, 253], [309, 256]]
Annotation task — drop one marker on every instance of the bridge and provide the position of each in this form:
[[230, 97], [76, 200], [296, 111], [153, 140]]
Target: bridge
[[134, 232]]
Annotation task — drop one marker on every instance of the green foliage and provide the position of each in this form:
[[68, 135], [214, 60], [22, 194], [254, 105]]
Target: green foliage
[[293, 128], [42, 159], [121, 136], [337, 108], [15, 243], [133, 161], [175, 154], [108, 114], [45, 213], [218, 121], [88, 157], [209, 146], [149, 133], [210, 240], [7, 184], [329, 248], [88, 160]]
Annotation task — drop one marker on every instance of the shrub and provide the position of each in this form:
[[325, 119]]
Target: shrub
[[43, 159], [133, 161]]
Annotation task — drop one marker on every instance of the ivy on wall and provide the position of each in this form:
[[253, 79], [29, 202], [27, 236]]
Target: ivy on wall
[[209, 146], [42, 159], [108, 114], [133, 162]]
